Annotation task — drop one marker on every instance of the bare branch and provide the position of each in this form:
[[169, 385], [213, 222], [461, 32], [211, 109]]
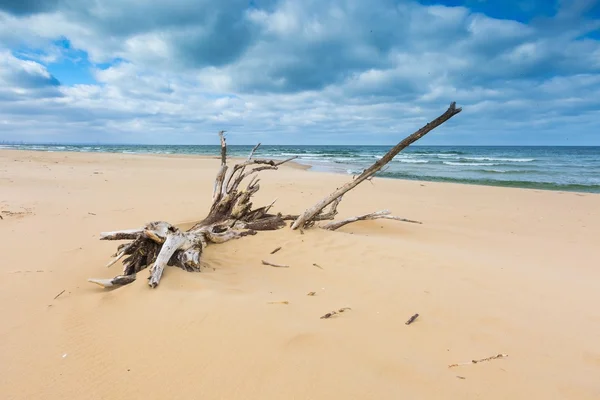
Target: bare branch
[[217, 190], [332, 226], [253, 151], [310, 213], [274, 265]]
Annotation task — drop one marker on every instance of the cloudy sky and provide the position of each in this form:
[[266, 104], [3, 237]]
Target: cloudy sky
[[299, 71]]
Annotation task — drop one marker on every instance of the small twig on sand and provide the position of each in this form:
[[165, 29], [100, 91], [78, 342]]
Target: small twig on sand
[[317, 265], [91, 213], [274, 265], [478, 361], [311, 293], [276, 250], [57, 296], [332, 313], [412, 319], [279, 302]]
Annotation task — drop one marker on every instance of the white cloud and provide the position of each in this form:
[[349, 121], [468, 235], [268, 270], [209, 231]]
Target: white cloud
[[295, 71]]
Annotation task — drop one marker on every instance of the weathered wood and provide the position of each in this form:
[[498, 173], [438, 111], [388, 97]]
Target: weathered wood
[[232, 216], [332, 226], [126, 234], [412, 319], [119, 280], [172, 244], [274, 265], [313, 211], [217, 190]]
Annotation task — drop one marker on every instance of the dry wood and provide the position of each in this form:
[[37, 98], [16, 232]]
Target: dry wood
[[308, 216], [412, 319], [58, 295], [276, 250], [332, 226], [332, 313], [116, 281], [232, 215], [480, 360], [274, 265]]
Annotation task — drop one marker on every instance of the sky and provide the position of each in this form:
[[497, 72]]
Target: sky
[[526, 72]]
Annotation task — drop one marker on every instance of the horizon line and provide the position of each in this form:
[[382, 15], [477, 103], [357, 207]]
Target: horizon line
[[15, 143]]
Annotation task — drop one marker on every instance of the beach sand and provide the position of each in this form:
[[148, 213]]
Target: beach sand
[[490, 270]]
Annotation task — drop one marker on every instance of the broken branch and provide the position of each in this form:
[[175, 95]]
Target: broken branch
[[478, 361], [274, 265], [332, 226], [313, 211]]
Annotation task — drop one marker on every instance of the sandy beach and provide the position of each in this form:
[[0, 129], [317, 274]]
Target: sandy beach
[[490, 270]]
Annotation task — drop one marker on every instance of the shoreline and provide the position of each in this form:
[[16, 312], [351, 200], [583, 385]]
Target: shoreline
[[536, 186]]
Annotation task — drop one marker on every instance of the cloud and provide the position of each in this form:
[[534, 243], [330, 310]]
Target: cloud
[[21, 80], [300, 71]]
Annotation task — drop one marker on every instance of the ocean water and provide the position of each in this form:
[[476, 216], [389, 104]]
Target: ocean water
[[551, 168]]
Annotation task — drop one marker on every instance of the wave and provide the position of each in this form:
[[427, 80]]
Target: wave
[[525, 184], [511, 171], [469, 164], [498, 159], [412, 161], [437, 152]]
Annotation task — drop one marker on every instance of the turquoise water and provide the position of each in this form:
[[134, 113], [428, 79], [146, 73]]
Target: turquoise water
[[552, 168]]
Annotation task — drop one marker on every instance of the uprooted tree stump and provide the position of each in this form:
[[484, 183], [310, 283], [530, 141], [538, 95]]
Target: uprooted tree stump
[[232, 216]]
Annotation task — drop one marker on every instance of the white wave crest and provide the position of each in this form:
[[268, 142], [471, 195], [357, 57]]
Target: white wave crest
[[469, 164]]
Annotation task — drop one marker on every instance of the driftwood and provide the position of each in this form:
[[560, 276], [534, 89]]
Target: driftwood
[[310, 214], [332, 226], [274, 265], [276, 250], [232, 216], [332, 313], [497, 356], [412, 319]]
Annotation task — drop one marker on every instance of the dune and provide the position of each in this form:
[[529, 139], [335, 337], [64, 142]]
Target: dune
[[490, 271]]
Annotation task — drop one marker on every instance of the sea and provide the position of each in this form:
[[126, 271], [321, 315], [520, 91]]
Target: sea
[[548, 168]]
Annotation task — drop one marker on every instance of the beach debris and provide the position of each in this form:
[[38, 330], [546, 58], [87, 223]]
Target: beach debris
[[118, 280], [91, 213], [279, 302], [317, 265], [274, 265], [159, 244], [276, 250], [309, 216], [336, 312], [384, 214], [58, 295], [311, 293], [460, 377], [64, 355], [412, 319], [478, 361]]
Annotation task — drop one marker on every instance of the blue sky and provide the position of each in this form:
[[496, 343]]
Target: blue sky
[[526, 72]]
